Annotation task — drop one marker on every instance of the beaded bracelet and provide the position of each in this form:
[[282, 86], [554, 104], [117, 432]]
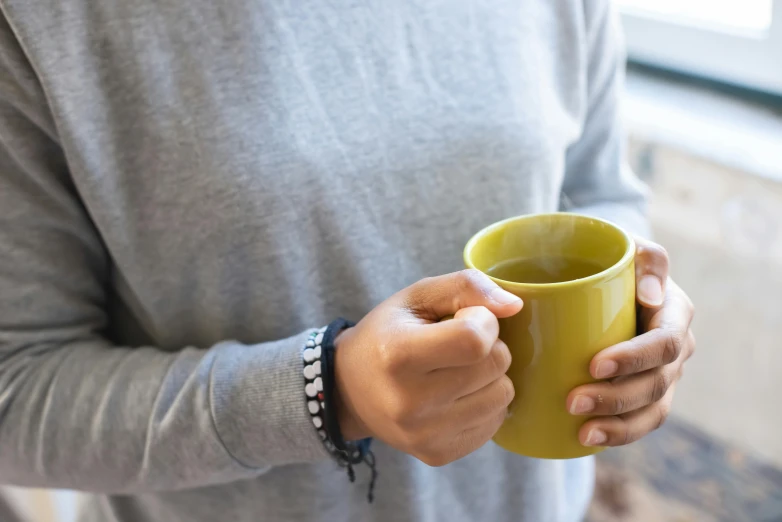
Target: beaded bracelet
[[313, 383], [318, 358]]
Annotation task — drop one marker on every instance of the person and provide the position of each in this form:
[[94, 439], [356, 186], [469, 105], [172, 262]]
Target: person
[[190, 191]]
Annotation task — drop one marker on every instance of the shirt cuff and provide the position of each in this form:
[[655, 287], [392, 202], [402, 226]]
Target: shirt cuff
[[258, 403]]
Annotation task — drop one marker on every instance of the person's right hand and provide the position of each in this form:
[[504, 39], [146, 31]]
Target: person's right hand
[[435, 390]]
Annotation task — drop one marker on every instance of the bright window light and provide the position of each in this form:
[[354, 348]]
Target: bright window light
[[732, 41], [747, 15]]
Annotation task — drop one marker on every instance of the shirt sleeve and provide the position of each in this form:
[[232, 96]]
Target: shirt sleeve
[[78, 411], [597, 179]]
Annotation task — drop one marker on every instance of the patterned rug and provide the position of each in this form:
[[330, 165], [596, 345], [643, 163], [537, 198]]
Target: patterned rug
[[678, 474]]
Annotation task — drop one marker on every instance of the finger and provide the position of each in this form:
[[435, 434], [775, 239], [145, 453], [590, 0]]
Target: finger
[[464, 443], [436, 297], [454, 383], [651, 272], [465, 340], [661, 345], [473, 438], [624, 394], [675, 299], [627, 428], [653, 349], [482, 405]]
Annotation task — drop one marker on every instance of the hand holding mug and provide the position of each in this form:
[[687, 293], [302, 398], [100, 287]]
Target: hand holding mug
[[440, 390], [643, 371], [435, 390]]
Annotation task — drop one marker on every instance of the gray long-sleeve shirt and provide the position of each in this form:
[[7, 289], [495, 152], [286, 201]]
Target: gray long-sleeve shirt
[[188, 187]]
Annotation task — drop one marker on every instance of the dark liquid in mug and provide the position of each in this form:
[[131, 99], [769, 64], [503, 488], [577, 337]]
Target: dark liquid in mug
[[545, 270]]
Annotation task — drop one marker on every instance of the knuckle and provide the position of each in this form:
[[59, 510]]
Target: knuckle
[[628, 434], [638, 363], [423, 283], [474, 339], [672, 346], [420, 291], [507, 391], [498, 422], [500, 357], [469, 279], [474, 282], [496, 399], [660, 385], [617, 405], [638, 358]]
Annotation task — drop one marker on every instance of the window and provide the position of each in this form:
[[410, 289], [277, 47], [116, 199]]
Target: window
[[733, 41]]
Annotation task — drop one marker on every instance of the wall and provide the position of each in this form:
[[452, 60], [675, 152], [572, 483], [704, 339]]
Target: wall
[[723, 230]]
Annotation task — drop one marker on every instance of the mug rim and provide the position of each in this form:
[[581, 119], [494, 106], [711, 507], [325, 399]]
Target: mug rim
[[616, 268]]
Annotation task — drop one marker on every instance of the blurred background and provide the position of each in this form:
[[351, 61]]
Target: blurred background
[[703, 110]]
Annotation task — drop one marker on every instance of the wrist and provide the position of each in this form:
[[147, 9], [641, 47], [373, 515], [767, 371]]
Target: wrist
[[349, 422], [341, 434]]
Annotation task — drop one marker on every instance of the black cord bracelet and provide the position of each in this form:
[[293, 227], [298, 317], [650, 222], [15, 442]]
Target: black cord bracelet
[[320, 389]]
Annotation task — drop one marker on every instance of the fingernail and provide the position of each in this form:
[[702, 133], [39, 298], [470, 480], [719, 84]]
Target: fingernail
[[503, 297], [650, 290], [596, 437], [582, 404], [605, 369]]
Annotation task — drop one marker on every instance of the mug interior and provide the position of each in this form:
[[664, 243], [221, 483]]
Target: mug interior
[[549, 236]]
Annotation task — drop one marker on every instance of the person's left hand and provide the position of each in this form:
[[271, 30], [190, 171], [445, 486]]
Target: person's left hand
[[642, 372]]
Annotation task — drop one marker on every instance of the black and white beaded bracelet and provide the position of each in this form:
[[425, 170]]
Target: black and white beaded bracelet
[[318, 372], [313, 383]]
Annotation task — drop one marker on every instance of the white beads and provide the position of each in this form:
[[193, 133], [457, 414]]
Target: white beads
[[313, 384]]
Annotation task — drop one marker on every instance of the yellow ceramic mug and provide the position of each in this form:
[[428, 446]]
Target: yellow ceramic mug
[[577, 280]]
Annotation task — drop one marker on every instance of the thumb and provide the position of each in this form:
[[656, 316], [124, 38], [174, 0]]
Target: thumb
[[437, 297], [651, 272]]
